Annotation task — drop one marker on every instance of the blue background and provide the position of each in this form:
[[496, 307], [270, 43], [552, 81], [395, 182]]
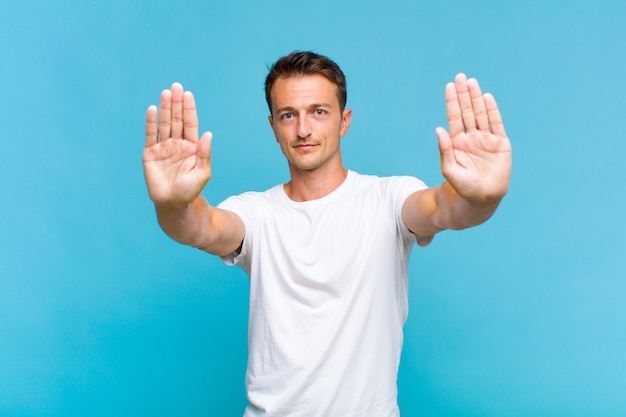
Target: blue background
[[101, 314]]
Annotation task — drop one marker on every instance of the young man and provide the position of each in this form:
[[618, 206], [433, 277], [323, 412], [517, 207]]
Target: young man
[[327, 252]]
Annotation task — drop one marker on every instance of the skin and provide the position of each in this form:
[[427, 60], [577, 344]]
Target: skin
[[177, 166], [308, 125], [476, 161]]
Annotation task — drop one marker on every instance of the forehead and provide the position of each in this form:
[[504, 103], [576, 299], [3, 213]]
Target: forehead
[[304, 90]]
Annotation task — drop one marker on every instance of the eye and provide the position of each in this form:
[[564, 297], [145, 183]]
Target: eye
[[320, 112], [286, 116]]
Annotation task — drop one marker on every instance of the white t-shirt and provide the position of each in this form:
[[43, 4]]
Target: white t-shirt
[[328, 297]]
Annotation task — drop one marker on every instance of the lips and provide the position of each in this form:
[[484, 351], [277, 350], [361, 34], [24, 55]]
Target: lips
[[305, 146]]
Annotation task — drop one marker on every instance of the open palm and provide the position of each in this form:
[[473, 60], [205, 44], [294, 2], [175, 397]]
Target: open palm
[[476, 153], [176, 164]]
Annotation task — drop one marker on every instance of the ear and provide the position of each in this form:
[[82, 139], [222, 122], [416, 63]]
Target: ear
[[346, 119]]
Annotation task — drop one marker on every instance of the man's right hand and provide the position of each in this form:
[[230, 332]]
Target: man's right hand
[[176, 164]]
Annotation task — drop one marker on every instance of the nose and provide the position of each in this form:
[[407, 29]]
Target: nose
[[303, 128]]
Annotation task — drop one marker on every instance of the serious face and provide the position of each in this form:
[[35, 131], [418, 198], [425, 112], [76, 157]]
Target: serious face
[[307, 121]]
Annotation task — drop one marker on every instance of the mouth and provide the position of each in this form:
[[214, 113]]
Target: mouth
[[305, 146]]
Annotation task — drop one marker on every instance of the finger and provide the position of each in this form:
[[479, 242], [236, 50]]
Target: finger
[[177, 110], [190, 117], [478, 104], [493, 113], [453, 111], [465, 101], [152, 132], [165, 118]]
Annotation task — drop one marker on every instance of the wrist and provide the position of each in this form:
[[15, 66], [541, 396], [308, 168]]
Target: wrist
[[174, 209], [474, 197], [465, 210]]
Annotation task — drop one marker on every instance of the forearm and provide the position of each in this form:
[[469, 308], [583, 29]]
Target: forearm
[[188, 224], [435, 209], [456, 212], [202, 226]]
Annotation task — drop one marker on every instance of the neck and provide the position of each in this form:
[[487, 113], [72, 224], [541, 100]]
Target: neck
[[314, 184]]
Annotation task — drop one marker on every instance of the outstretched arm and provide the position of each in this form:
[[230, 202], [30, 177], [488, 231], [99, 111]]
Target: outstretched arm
[[177, 166], [475, 161]]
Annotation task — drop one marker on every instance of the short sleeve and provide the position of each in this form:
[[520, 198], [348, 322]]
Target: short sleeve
[[401, 188], [242, 205]]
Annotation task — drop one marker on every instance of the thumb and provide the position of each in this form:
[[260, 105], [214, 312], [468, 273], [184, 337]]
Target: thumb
[[203, 153], [446, 152]]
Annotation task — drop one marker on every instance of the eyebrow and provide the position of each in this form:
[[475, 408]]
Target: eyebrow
[[312, 106]]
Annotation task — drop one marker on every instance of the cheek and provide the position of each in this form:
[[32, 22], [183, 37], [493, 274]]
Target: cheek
[[278, 133], [286, 133], [282, 139]]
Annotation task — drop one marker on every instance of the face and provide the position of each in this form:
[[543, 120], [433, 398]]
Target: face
[[308, 122]]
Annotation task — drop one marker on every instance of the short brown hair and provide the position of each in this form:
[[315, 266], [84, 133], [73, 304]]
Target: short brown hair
[[300, 63]]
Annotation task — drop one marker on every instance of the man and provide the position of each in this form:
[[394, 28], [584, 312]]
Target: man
[[327, 252]]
